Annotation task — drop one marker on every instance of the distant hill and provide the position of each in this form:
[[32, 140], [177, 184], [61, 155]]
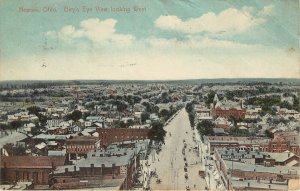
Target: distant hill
[[187, 81]]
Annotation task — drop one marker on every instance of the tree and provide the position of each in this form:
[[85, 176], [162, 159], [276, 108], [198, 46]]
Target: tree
[[144, 117], [121, 107], [286, 105], [14, 150], [75, 115], [16, 124], [268, 134], [35, 130], [122, 124], [189, 107], [157, 132], [34, 110], [164, 113], [137, 99], [208, 99], [192, 119], [205, 127], [296, 103], [235, 131], [130, 122]]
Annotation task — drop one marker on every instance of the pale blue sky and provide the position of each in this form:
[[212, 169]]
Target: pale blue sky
[[195, 39]]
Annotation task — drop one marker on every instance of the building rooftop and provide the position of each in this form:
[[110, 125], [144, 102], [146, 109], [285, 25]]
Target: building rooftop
[[280, 157], [97, 160], [254, 185], [259, 168], [229, 153], [31, 161], [82, 139], [240, 140]]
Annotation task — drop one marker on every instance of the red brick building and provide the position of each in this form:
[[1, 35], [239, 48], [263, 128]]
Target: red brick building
[[113, 171], [276, 145], [282, 141], [227, 109], [108, 136], [237, 113], [81, 145], [34, 169]]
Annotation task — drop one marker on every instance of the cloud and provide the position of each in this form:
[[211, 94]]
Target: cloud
[[96, 30], [198, 42], [266, 11], [230, 20]]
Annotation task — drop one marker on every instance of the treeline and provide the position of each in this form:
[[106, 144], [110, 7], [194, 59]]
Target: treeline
[[189, 107]]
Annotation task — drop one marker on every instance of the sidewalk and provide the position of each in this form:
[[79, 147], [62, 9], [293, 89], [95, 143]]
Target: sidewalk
[[209, 166]]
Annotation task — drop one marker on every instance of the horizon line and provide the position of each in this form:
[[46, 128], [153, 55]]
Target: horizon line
[[187, 79]]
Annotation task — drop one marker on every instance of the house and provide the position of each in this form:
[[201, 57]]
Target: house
[[99, 119], [11, 118], [28, 127], [221, 122], [53, 122], [74, 129], [87, 124], [154, 117]]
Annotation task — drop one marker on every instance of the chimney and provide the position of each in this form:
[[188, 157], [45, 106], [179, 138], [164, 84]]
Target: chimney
[[66, 170], [74, 168]]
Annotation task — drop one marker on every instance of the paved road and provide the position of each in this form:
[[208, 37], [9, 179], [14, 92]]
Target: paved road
[[169, 163]]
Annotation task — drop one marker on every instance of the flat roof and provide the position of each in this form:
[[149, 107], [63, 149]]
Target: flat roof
[[259, 168]]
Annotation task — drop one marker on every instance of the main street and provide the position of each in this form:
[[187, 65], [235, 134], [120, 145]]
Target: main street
[[169, 164]]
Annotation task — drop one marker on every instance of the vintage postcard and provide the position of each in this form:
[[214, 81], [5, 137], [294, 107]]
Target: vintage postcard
[[149, 95]]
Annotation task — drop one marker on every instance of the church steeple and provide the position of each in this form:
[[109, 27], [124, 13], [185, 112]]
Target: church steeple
[[216, 99]]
